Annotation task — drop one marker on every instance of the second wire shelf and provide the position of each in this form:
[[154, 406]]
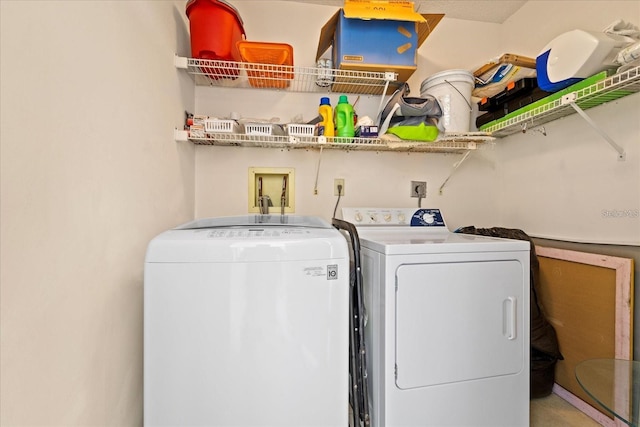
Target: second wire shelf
[[287, 78]]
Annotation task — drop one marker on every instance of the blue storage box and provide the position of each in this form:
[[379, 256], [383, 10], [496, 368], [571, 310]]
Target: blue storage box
[[376, 36]]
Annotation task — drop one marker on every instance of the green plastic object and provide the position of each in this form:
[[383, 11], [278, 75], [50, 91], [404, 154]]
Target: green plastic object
[[344, 121], [421, 132], [553, 97]]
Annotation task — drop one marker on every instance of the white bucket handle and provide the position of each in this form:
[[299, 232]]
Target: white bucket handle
[[463, 97]]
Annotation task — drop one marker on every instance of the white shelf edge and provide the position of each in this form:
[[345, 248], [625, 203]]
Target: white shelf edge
[[446, 143], [288, 78]]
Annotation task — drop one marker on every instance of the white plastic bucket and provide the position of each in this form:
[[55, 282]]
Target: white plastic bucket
[[452, 89]]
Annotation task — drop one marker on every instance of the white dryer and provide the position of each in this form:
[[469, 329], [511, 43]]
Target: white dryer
[[246, 323], [447, 333]]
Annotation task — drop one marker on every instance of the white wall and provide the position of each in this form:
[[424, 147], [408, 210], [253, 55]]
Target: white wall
[[89, 174], [539, 21], [565, 185], [570, 185], [493, 187], [372, 179]]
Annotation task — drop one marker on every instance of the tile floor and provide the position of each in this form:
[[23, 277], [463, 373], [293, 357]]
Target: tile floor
[[554, 411]]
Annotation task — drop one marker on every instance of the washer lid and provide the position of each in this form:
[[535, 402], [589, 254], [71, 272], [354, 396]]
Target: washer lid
[[262, 220], [259, 238]]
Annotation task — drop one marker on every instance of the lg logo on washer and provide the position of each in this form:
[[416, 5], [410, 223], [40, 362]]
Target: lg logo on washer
[[332, 272], [318, 271]]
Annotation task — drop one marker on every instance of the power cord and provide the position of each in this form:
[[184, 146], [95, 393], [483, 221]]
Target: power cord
[[417, 191], [337, 201]]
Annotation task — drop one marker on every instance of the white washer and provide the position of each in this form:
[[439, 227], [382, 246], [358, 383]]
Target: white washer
[[447, 330], [246, 323]]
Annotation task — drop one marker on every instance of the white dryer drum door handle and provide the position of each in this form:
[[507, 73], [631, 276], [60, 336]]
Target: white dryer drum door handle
[[509, 317]]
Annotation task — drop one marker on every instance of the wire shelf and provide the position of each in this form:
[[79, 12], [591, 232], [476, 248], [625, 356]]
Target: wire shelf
[[448, 143], [609, 89], [312, 79], [287, 78]]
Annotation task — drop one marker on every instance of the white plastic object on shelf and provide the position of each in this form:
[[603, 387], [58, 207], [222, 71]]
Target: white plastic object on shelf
[[300, 130], [258, 129], [222, 126], [629, 54]]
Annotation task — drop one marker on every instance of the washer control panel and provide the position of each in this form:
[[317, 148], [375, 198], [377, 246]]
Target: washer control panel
[[394, 217]]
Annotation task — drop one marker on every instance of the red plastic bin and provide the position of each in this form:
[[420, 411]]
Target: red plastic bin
[[215, 28]]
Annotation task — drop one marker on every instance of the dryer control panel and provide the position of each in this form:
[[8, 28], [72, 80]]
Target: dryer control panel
[[408, 217]]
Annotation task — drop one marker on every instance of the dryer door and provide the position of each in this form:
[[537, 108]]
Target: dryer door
[[459, 322]]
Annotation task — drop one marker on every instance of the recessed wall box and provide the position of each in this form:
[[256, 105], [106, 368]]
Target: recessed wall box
[[271, 190]]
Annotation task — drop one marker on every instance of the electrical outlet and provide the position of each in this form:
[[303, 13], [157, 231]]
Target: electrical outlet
[[419, 189], [338, 182]]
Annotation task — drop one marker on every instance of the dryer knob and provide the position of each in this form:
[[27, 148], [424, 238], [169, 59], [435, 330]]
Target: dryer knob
[[428, 218]]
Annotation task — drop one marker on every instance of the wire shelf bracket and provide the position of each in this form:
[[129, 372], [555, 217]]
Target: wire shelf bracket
[[570, 99], [455, 168], [180, 62], [180, 135]]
